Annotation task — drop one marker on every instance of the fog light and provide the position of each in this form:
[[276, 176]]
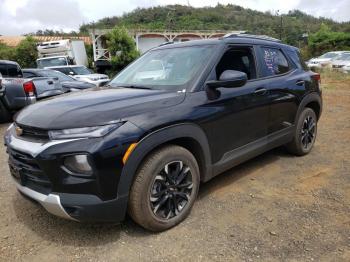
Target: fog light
[[78, 164]]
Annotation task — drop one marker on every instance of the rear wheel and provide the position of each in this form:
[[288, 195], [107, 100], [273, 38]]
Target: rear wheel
[[5, 115], [305, 133], [164, 189]]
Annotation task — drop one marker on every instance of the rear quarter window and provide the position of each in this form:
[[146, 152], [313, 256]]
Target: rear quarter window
[[14, 71], [3, 70], [296, 59], [274, 62]]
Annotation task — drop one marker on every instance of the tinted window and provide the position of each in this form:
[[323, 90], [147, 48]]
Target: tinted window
[[14, 71], [28, 75], [64, 70], [239, 60], [3, 70], [81, 70], [296, 59], [273, 62], [59, 75]]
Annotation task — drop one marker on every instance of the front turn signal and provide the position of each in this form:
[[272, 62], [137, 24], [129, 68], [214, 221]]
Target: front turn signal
[[128, 152]]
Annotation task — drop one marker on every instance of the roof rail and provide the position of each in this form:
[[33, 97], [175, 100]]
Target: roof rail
[[262, 37]]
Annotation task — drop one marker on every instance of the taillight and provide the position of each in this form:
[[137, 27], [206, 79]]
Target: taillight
[[29, 88], [317, 78]]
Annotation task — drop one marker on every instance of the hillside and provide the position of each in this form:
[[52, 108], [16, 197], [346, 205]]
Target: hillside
[[221, 17]]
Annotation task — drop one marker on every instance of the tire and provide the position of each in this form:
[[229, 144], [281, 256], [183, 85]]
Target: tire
[[5, 115], [306, 130], [152, 187]]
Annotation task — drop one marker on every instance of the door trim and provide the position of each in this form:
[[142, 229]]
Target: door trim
[[253, 149]]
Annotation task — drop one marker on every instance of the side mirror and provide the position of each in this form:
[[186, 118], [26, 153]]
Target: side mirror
[[229, 78], [71, 73]]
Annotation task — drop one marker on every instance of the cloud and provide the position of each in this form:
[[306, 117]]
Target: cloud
[[28, 16], [24, 16], [337, 10]]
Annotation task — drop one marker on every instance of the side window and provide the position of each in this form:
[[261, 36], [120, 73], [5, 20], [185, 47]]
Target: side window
[[28, 75], [239, 59], [273, 62], [3, 70], [297, 60], [14, 71]]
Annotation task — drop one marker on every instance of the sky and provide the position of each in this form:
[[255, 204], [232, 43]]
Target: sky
[[25, 16]]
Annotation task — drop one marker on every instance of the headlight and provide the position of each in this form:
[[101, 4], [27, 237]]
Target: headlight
[[78, 164], [84, 132]]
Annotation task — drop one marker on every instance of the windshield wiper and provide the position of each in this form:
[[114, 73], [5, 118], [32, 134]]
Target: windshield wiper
[[135, 86]]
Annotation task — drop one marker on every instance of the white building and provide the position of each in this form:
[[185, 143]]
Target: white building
[[147, 39]]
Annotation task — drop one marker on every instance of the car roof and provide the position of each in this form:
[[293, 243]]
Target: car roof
[[66, 66], [8, 62], [234, 39]]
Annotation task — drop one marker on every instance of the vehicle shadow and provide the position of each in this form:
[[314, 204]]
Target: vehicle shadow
[[72, 233]]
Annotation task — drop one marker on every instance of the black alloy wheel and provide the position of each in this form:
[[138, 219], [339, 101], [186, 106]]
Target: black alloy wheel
[[308, 132], [171, 190]]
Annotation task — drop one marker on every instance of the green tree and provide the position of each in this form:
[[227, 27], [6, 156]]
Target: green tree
[[327, 40], [26, 52], [6, 52], [122, 48]]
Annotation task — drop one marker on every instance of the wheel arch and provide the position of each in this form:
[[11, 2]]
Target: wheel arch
[[187, 135], [313, 101]]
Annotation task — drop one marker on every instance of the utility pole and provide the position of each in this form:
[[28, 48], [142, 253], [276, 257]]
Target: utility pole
[[281, 23]]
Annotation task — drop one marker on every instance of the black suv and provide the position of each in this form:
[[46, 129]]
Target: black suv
[[177, 116]]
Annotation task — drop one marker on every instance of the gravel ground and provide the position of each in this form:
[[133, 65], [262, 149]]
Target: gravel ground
[[276, 207]]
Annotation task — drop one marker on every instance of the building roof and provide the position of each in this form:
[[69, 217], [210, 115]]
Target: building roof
[[15, 40]]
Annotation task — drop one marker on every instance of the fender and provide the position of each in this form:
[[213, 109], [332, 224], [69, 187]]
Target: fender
[[156, 138], [311, 97]]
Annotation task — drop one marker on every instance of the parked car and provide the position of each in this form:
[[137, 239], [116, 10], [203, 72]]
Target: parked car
[[82, 73], [18, 92], [68, 83], [143, 146], [341, 61], [324, 60]]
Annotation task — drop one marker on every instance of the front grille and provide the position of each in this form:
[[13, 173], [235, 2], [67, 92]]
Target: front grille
[[337, 66], [25, 169], [34, 133]]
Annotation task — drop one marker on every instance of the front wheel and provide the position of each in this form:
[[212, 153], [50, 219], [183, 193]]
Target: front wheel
[[165, 188], [305, 133]]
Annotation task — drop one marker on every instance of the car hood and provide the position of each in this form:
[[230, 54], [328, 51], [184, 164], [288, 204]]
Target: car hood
[[95, 107], [77, 84], [340, 62], [320, 60]]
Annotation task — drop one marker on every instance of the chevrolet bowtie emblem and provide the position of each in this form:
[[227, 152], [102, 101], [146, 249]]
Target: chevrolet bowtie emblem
[[19, 131]]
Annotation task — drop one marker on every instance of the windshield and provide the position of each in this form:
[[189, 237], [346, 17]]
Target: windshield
[[344, 56], [329, 55], [170, 68], [49, 62], [61, 77], [80, 70]]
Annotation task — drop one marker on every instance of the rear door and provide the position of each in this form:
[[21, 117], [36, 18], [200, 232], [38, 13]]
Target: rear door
[[282, 82]]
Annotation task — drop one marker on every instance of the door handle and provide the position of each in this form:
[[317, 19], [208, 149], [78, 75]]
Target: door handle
[[50, 82], [260, 91], [300, 82]]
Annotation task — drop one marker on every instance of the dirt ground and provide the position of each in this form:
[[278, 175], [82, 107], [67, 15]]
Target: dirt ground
[[276, 207]]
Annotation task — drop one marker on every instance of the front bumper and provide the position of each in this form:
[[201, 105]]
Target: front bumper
[[37, 169], [51, 202]]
